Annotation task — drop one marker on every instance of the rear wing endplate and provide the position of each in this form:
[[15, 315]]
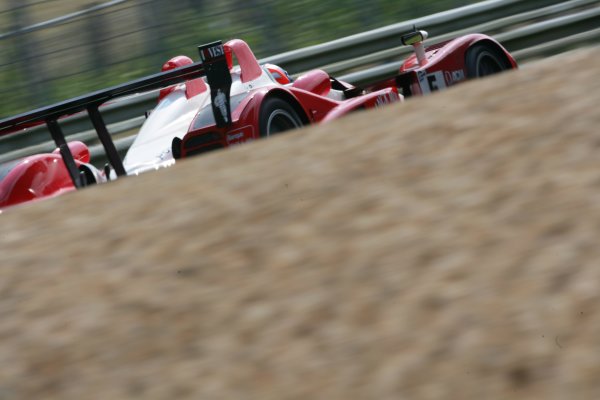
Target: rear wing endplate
[[219, 79], [213, 66]]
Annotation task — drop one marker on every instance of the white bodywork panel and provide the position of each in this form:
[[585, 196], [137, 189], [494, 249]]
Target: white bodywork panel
[[172, 118]]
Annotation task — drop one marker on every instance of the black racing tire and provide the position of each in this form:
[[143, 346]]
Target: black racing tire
[[277, 116], [483, 60]]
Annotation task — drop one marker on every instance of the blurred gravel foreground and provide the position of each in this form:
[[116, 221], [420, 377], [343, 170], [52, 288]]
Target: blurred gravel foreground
[[445, 248]]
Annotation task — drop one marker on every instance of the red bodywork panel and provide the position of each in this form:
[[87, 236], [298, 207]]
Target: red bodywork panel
[[192, 88], [33, 178], [248, 64], [39, 176]]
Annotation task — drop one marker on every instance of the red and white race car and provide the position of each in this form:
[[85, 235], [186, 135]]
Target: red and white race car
[[227, 99]]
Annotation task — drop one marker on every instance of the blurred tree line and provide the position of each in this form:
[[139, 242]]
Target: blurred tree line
[[42, 64]]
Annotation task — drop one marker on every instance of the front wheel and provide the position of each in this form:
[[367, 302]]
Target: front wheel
[[277, 116], [483, 60]]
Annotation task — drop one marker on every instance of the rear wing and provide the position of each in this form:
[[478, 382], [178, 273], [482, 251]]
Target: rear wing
[[213, 66]]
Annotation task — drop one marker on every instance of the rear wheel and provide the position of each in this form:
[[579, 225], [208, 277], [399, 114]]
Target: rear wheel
[[483, 60], [277, 116]]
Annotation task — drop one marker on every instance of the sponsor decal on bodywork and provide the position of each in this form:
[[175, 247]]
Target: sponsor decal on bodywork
[[209, 53], [453, 77], [221, 104], [240, 136], [232, 137], [386, 98]]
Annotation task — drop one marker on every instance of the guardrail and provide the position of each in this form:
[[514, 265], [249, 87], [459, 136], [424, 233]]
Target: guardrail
[[62, 19], [529, 29]]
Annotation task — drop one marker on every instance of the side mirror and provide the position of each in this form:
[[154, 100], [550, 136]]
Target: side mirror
[[412, 38], [415, 39]]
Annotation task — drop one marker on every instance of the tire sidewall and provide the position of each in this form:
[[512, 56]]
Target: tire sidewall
[[272, 105], [479, 51]]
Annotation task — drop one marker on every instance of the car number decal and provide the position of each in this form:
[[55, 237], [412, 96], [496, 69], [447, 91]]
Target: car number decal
[[431, 82]]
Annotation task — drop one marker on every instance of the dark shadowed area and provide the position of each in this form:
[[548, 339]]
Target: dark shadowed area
[[445, 248]]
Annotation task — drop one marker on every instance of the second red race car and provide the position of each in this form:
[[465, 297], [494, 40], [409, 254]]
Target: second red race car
[[226, 99]]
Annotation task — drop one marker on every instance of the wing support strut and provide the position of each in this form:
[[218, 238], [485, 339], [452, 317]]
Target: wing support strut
[[109, 146], [59, 139]]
